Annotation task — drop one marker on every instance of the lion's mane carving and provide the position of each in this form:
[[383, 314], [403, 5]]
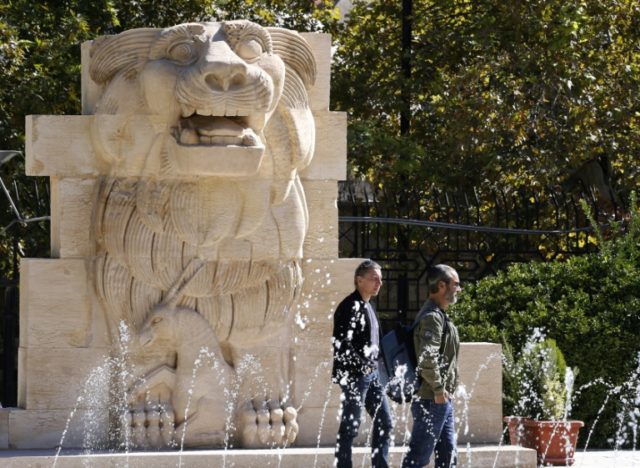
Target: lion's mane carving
[[202, 128]]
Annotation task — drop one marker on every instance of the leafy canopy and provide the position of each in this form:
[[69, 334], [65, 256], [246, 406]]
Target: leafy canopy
[[503, 94]]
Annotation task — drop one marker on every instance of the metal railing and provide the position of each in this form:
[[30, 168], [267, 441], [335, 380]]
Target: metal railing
[[478, 234]]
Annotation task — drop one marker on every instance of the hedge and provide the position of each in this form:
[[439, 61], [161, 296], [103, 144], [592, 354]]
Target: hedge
[[590, 305]]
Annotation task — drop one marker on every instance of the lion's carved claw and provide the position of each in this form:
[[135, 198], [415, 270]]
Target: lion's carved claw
[[269, 424]]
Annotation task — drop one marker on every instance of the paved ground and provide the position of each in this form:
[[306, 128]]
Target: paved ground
[[590, 459], [607, 459]]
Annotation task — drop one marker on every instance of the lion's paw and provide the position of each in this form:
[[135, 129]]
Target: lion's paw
[[152, 427], [267, 425]]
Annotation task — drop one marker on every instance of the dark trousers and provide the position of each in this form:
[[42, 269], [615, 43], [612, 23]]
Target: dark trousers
[[432, 428], [367, 390]]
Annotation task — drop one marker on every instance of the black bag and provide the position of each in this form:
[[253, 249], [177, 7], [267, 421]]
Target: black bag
[[400, 360], [400, 363]]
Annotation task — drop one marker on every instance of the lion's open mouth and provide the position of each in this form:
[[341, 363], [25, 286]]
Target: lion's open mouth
[[199, 129]]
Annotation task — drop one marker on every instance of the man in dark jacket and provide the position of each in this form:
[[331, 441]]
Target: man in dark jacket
[[356, 343], [437, 344]]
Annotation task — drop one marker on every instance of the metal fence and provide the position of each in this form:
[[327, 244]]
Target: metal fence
[[477, 234]]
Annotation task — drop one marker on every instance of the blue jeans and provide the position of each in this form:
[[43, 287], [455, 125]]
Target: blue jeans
[[365, 389], [432, 428]]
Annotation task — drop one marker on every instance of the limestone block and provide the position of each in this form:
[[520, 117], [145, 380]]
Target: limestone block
[[321, 46], [481, 374], [313, 361], [85, 145], [314, 333], [314, 318], [57, 378], [318, 425], [317, 306], [312, 376], [330, 157], [43, 429], [59, 146], [55, 303], [326, 283], [4, 428], [71, 217], [313, 336], [322, 236], [333, 275]]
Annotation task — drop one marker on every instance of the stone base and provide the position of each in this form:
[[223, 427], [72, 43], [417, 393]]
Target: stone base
[[475, 456]]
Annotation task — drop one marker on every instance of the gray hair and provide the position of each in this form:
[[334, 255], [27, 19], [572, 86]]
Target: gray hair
[[364, 268], [438, 273]]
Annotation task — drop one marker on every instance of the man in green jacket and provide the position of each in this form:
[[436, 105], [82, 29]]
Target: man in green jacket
[[437, 343]]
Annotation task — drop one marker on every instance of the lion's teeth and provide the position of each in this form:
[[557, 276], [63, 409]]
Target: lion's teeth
[[189, 136], [250, 139], [204, 112], [187, 110]]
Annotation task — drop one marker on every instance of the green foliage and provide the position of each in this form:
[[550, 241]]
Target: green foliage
[[589, 304], [502, 94]]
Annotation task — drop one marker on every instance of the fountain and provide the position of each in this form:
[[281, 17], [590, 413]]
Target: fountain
[[194, 237]]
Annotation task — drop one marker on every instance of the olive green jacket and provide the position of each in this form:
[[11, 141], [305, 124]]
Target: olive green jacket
[[439, 373]]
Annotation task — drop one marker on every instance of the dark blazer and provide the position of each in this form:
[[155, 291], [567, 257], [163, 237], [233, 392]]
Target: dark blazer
[[351, 334]]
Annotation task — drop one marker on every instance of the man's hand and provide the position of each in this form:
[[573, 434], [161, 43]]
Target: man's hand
[[442, 399]]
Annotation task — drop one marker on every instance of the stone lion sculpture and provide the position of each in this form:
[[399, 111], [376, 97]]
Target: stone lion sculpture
[[202, 129]]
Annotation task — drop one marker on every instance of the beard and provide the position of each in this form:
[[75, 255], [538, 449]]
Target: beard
[[451, 297]]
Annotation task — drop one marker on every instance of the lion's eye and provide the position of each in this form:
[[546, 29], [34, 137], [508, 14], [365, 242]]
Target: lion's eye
[[156, 320], [182, 52], [249, 50]]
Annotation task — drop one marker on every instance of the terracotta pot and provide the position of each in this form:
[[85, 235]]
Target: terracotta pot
[[554, 441]]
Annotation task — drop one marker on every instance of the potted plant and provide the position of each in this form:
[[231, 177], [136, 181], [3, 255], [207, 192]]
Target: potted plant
[[539, 384]]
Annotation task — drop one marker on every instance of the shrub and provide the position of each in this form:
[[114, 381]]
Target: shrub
[[538, 381], [590, 305]]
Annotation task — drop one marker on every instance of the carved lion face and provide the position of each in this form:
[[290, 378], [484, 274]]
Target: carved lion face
[[201, 95]]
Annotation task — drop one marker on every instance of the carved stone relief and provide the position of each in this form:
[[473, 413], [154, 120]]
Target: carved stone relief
[[199, 222]]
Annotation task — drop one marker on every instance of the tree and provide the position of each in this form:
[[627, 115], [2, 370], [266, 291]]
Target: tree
[[503, 94]]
